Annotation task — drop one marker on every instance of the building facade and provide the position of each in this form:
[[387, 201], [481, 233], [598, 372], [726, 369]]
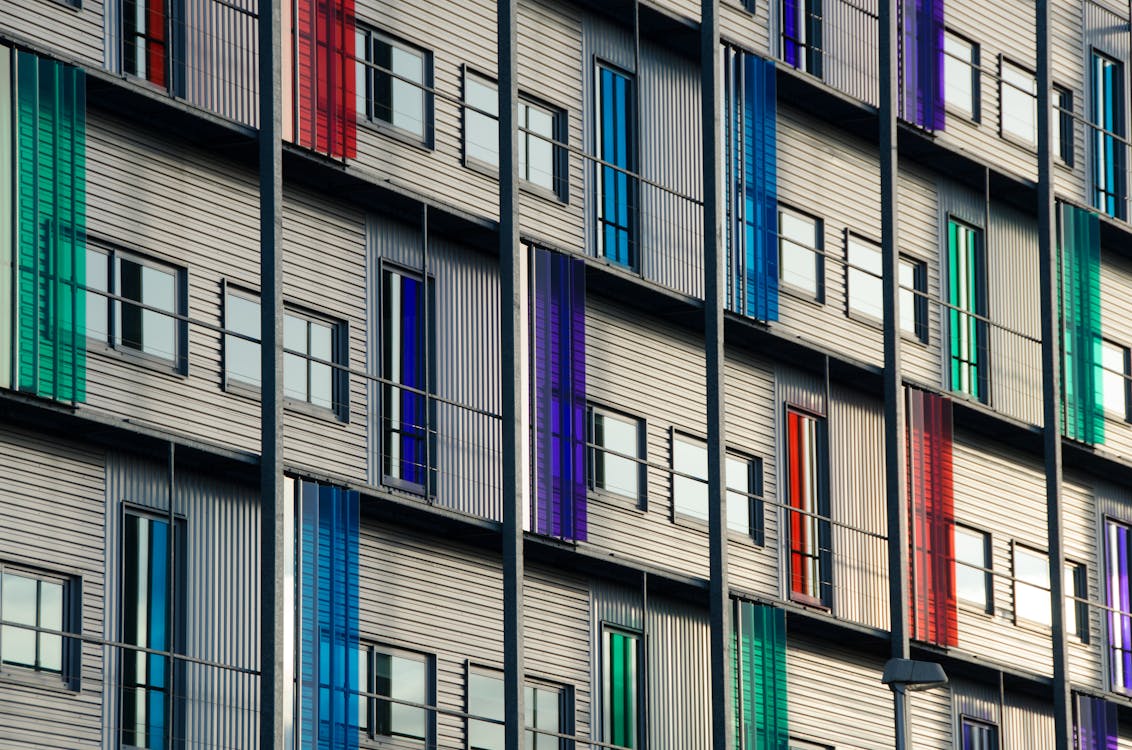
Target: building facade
[[934, 464]]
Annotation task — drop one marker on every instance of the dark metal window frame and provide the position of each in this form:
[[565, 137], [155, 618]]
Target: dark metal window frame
[[641, 500], [817, 250], [756, 525], [369, 736], [69, 676], [364, 58], [974, 113], [987, 570], [820, 517]]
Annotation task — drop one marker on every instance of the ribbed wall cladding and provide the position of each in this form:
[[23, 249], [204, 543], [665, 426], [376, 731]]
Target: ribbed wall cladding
[[851, 47], [221, 57], [976, 700], [1081, 523], [466, 294], [1027, 722], [219, 611]]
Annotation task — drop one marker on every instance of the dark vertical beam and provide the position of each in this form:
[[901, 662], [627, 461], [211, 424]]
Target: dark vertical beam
[[171, 612], [1051, 386], [510, 311], [897, 518], [714, 289], [272, 690]]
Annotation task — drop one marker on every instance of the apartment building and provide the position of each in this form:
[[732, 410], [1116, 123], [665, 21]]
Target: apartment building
[[861, 423]]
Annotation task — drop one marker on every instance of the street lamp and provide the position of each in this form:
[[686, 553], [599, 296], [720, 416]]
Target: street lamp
[[903, 675]]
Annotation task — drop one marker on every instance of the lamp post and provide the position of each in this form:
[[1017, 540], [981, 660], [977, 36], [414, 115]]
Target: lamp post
[[903, 675]]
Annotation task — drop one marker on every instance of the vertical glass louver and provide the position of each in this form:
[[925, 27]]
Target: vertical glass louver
[[1109, 155], [807, 497], [617, 202], [326, 574], [1096, 724], [147, 622], [758, 652], [1079, 303], [751, 225], [931, 527], [619, 688], [922, 63], [319, 65], [967, 310], [408, 457], [42, 154], [558, 285]]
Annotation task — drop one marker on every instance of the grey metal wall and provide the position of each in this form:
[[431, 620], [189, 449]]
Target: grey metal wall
[[220, 613], [51, 519], [1027, 723], [1116, 326], [918, 218], [850, 48], [221, 57], [72, 33], [466, 361], [1081, 498]]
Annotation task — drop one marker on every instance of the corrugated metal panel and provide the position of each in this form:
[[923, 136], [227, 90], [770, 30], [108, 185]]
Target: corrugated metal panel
[[976, 700], [51, 518], [678, 670], [221, 57], [220, 614], [857, 499], [467, 331], [1079, 518], [851, 48], [1028, 723]]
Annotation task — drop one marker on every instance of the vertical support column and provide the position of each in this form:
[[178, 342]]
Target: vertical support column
[[272, 690], [510, 284], [894, 478], [722, 728], [1051, 387]]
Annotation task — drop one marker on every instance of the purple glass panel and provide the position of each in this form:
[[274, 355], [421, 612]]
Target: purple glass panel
[[559, 391], [412, 404], [922, 59], [1097, 726], [1125, 605], [790, 46]]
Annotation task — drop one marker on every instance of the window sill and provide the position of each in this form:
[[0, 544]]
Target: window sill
[[693, 523], [1032, 626], [967, 117], [1031, 147], [321, 413], [31, 678], [397, 134], [622, 502], [139, 359], [802, 295], [974, 609], [810, 602], [526, 187]]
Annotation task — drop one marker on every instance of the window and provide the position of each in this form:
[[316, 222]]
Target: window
[[145, 48], [967, 295], [401, 676], [620, 654], [392, 82], [544, 707], [1076, 583], [152, 602], [542, 162], [304, 337], [863, 277], [1108, 150], [913, 298], [1031, 586], [811, 579], [689, 496], [39, 600], [802, 34], [1017, 93], [617, 150], [973, 577], [1118, 597], [126, 326], [977, 735], [612, 434], [407, 370], [961, 75], [799, 252], [1115, 372], [1062, 123]]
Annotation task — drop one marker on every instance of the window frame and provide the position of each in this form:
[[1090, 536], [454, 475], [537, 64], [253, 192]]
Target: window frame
[[851, 269], [368, 734], [974, 113], [1077, 574], [818, 251], [979, 317], [1020, 619], [1112, 611], [919, 293], [178, 364], [1064, 116], [820, 518], [756, 524], [69, 676], [640, 502], [809, 43], [632, 150], [530, 682], [366, 118], [1004, 132], [605, 628], [968, 720], [987, 570], [1126, 354]]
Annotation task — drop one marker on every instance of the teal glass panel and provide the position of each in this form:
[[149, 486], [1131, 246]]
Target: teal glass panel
[[759, 658], [1079, 282], [619, 689], [51, 236]]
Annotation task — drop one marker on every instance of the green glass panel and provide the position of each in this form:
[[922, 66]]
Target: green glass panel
[[51, 255], [7, 207], [760, 684], [965, 328], [1082, 399], [621, 689]]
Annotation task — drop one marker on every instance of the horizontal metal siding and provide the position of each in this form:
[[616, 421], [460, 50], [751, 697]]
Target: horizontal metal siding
[[918, 219], [857, 499], [1067, 50], [929, 714], [1116, 326], [466, 294], [51, 518], [748, 29], [220, 615], [70, 33], [1079, 518]]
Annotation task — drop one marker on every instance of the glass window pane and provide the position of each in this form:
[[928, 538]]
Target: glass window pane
[[409, 683], [18, 603], [364, 686], [481, 136], [738, 505], [485, 698], [908, 299], [241, 357], [322, 375], [865, 272], [970, 556], [294, 366], [1113, 383], [1019, 90], [617, 474], [408, 99], [537, 156], [689, 496], [159, 332], [51, 616], [797, 259], [97, 306], [1031, 589], [957, 74]]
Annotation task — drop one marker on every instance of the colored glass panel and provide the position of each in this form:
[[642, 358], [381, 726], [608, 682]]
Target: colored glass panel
[[1110, 188], [559, 323], [810, 537], [922, 63], [1079, 294], [967, 325], [619, 689], [801, 28], [931, 509], [144, 48], [617, 188], [1096, 725], [1118, 597], [51, 258], [759, 661], [323, 78], [405, 414], [751, 227], [327, 577]]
